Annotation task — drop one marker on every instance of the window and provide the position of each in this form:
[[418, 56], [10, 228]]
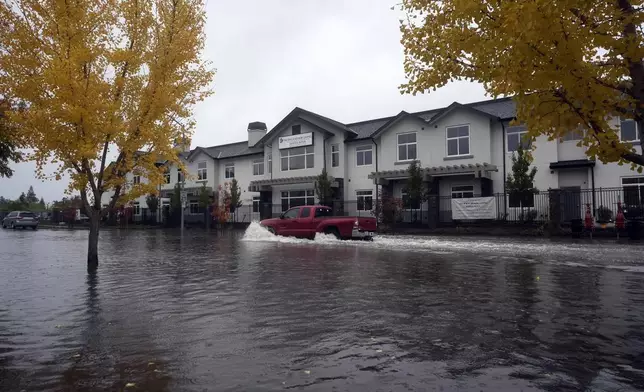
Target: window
[[306, 212], [462, 191], [365, 200], [194, 207], [458, 140], [167, 176], [629, 131], [296, 130], [255, 203], [321, 212], [292, 213], [516, 135], [270, 163], [574, 135], [136, 179], [407, 204], [407, 146], [633, 188], [179, 175], [335, 155], [297, 158], [297, 198], [364, 155], [229, 170], [202, 172], [136, 208], [258, 167]]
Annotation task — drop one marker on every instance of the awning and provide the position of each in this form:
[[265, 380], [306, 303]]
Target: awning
[[572, 164], [477, 169], [260, 185]]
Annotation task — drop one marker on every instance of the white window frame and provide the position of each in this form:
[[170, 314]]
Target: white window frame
[[362, 150], [167, 177], [180, 176], [229, 174], [335, 152], [461, 192], [458, 138], [364, 194], [521, 138], [638, 132], [192, 210], [202, 172], [136, 207], [256, 204], [573, 136], [308, 150], [639, 186], [270, 163], [258, 167], [136, 179], [398, 145], [309, 198]]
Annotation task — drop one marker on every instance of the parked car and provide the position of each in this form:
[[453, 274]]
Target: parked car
[[306, 221], [22, 219]]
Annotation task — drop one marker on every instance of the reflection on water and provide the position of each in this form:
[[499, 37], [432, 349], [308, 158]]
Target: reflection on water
[[229, 312]]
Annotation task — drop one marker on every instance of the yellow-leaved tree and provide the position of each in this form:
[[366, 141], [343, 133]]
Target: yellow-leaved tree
[[107, 86], [569, 64]]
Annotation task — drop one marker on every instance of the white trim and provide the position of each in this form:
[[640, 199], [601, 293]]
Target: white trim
[[335, 152], [203, 170], [289, 156], [257, 162], [638, 131], [507, 145], [406, 144], [451, 193], [457, 138], [363, 151], [226, 166]]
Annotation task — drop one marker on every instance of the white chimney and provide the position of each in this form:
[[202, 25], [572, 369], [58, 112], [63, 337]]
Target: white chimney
[[256, 131]]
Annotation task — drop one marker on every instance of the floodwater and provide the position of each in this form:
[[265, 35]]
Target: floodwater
[[235, 312]]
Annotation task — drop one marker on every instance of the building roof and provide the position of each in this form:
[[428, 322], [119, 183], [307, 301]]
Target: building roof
[[501, 108]]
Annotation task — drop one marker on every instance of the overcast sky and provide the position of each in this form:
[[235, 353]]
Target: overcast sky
[[341, 59]]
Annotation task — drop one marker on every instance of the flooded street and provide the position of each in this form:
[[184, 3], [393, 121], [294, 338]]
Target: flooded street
[[230, 312]]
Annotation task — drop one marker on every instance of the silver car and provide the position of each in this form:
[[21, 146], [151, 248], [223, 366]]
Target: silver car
[[22, 219]]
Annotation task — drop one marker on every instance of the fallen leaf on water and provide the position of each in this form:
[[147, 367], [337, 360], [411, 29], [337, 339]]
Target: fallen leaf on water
[[157, 371], [378, 351], [130, 385], [59, 326], [76, 356], [538, 278], [150, 363], [307, 371]]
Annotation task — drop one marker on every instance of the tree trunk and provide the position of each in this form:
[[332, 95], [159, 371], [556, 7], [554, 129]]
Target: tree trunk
[[92, 247]]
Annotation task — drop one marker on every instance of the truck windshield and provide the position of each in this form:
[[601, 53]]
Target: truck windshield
[[322, 212]]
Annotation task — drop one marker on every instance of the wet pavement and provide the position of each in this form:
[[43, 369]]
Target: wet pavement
[[211, 312]]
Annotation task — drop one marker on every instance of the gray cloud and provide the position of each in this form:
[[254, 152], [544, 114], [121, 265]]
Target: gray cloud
[[341, 59]]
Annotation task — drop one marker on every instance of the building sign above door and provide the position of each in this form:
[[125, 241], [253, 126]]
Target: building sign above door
[[304, 139]]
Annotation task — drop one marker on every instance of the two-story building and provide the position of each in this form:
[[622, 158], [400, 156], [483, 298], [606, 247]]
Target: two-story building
[[465, 150]]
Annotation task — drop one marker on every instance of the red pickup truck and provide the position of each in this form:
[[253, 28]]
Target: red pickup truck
[[306, 221]]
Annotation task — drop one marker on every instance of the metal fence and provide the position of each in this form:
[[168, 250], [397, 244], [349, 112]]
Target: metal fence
[[560, 205]]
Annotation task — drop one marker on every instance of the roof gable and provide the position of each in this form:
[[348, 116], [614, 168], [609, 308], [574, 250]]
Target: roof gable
[[395, 120], [297, 114], [455, 107]]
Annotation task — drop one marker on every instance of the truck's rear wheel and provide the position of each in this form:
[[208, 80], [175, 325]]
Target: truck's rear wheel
[[334, 231]]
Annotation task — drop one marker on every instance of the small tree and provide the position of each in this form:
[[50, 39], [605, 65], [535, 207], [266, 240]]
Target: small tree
[[153, 205], [415, 187], [323, 188], [31, 195], [235, 195], [175, 204], [520, 183], [42, 203], [222, 204], [204, 202], [387, 209]]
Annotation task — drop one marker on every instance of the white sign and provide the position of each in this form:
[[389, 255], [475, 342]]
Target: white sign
[[474, 208], [304, 139]]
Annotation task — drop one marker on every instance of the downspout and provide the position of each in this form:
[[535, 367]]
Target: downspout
[[592, 183], [376, 151], [503, 156]]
